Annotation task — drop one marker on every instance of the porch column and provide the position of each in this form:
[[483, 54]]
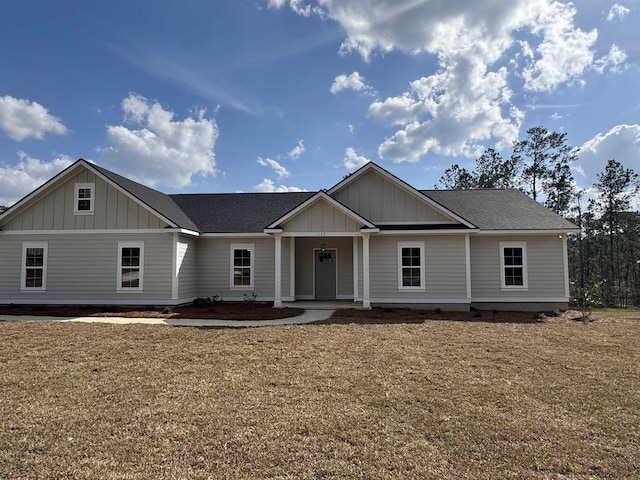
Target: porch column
[[277, 299], [292, 267], [366, 303], [355, 268]]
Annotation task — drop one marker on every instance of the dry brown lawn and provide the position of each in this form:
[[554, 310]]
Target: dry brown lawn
[[439, 399]]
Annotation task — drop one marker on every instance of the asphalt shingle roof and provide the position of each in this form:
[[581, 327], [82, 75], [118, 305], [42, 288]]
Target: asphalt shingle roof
[[499, 209], [238, 212]]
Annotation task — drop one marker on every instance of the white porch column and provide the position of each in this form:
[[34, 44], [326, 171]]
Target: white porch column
[[366, 303], [277, 299], [355, 268], [292, 267], [467, 263]]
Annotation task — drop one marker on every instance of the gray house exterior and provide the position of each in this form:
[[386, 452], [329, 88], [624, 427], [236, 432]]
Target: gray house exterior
[[91, 236]]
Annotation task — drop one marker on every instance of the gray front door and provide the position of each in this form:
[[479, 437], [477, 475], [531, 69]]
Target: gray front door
[[325, 274]]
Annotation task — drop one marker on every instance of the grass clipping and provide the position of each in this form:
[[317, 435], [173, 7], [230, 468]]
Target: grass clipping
[[439, 399]]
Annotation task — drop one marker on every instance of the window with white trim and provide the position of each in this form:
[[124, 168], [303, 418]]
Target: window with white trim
[[513, 265], [34, 266], [242, 262], [411, 266], [130, 266], [84, 199]]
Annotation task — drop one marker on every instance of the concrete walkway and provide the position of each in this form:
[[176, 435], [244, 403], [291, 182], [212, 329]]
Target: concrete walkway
[[309, 316]]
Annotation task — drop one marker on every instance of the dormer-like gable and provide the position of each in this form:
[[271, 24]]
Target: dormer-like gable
[[384, 199]]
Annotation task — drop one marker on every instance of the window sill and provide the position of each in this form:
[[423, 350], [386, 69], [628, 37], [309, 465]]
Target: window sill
[[516, 289], [129, 290], [33, 290], [411, 289], [83, 213], [241, 287]]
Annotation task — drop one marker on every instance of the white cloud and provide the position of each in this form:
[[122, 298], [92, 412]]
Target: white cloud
[[161, 150], [297, 6], [269, 186], [611, 61], [28, 174], [296, 151], [621, 143], [617, 11], [465, 104], [352, 160], [353, 81], [279, 169], [22, 119]]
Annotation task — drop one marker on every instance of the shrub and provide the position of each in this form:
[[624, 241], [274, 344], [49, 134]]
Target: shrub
[[587, 298], [249, 298]]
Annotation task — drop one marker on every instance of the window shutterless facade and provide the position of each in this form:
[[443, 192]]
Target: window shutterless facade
[[513, 265], [34, 266], [411, 266], [84, 200], [130, 266], [242, 263]]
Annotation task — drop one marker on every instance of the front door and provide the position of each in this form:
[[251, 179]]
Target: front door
[[325, 274]]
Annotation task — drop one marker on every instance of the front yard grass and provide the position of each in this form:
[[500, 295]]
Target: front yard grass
[[438, 399]]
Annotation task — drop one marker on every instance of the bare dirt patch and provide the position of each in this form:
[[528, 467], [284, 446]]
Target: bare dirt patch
[[439, 399]]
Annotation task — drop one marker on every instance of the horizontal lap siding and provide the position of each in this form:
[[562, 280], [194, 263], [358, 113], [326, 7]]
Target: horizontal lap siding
[[84, 269], [187, 261], [214, 267], [445, 275], [545, 265]]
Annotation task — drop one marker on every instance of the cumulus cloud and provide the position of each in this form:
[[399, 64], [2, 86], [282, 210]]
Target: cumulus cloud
[[269, 186], [353, 81], [621, 143], [29, 173], [279, 169], [617, 11], [296, 151], [479, 47], [159, 149], [20, 119], [352, 160], [611, 61]]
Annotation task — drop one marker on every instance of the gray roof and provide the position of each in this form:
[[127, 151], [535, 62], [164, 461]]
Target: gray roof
[[499, 209], [238, 212], [158, 201]]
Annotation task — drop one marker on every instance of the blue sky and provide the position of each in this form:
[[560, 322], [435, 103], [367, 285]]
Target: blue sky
[[277, 95]]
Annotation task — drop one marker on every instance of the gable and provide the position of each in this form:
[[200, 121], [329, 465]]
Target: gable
[[321, 216], [382, 200], [53, 208]]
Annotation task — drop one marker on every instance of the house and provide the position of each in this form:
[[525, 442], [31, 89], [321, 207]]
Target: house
[[91, 236]]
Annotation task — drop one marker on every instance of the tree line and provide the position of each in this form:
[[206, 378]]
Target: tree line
[[604, 256]]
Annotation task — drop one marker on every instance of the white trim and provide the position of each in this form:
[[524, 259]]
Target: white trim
[[528, 232], [467, 262], [91, 186], [322, 234], [355, 267], [316, 198], [366, 301], [140, 287], [93, 232], [420, 222], [186, 231], [242, 246], [174, 268], [236, 235], [277, 294], [23, 275], [465, 231], [525, 279], [520, 300], [419, 245]]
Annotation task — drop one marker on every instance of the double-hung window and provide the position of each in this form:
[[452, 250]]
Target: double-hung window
[[85, 193], [242, 262], [513, 265], [411, 266], [130, 266], [34, 266]]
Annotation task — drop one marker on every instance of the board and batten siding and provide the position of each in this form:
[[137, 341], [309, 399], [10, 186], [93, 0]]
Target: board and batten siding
[[445, 268], [305, 265], [214, 268], [321, 217], [379, 200], [83, 269], [545, 267], [112, 209]]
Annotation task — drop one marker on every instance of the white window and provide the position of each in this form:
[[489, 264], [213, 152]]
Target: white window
[[411, 266], [513, 265], [34, 266], [242, 265], [130, 266], [85, 193]]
